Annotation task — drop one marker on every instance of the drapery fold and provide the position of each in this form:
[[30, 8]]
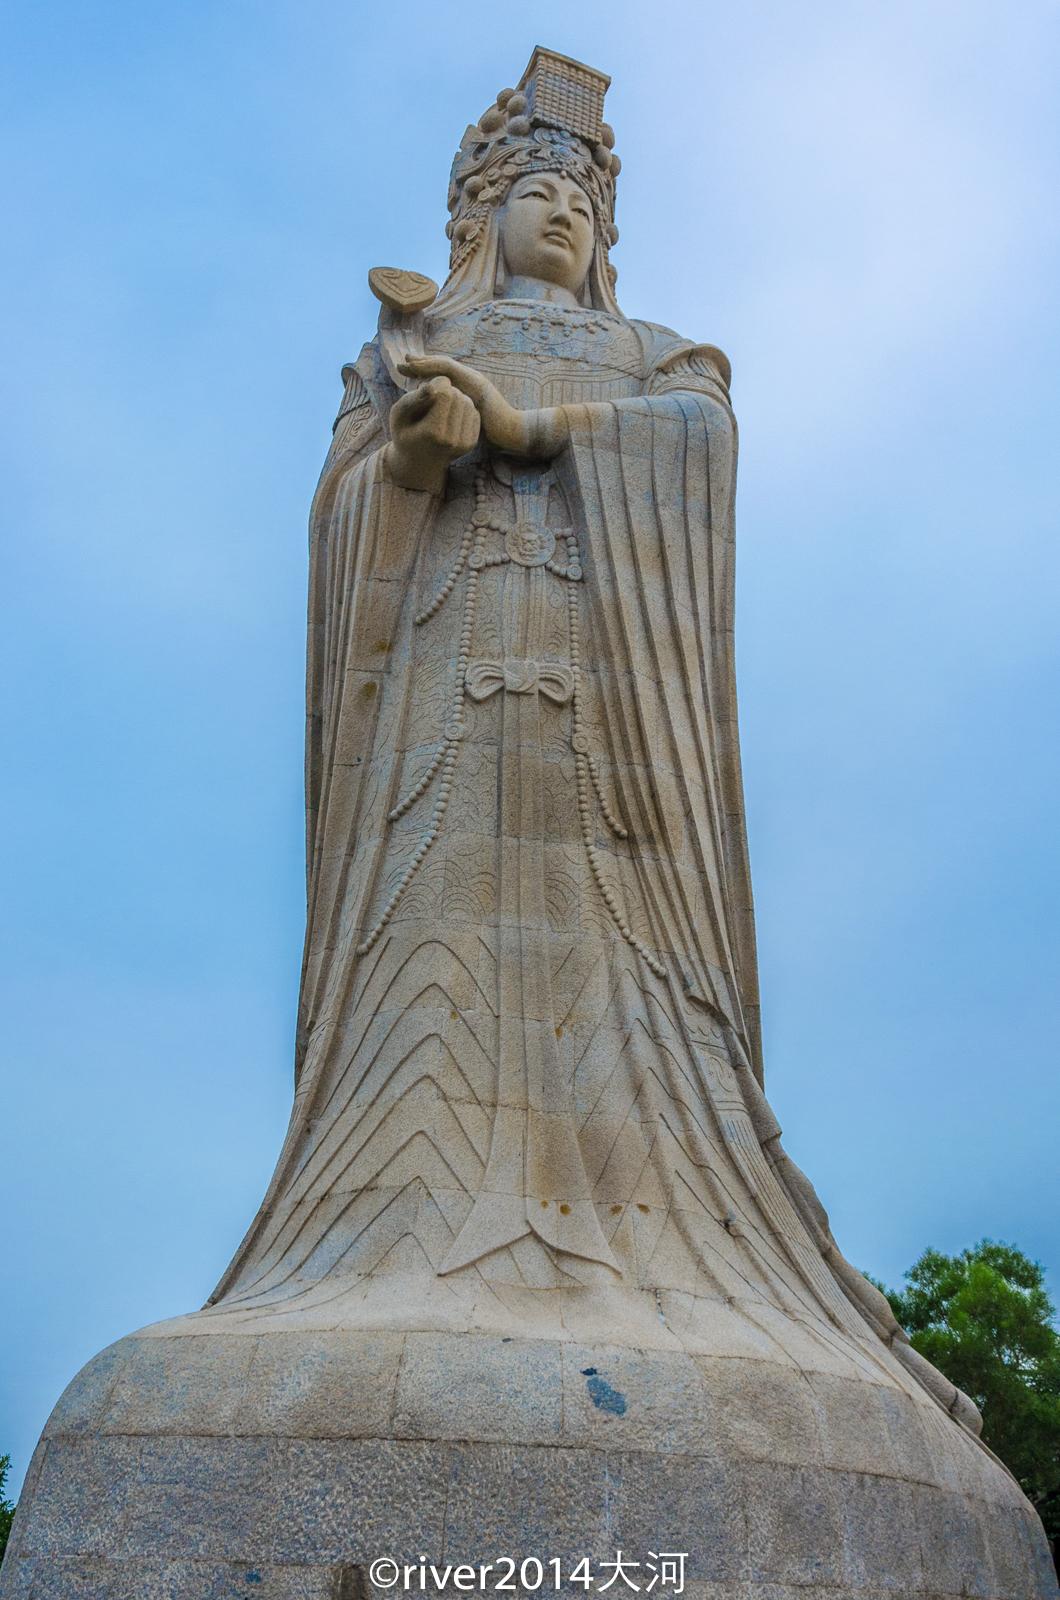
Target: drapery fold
[[651, 482], [648, 482], [655, 478]]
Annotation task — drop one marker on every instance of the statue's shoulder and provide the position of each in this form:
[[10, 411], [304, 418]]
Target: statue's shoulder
[[366, 383], [667, 352]]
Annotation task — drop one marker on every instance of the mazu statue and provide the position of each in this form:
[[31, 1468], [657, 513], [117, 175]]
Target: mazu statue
[[534, 1277]]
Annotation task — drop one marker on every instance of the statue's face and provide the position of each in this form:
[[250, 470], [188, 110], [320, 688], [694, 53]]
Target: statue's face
[[546, 229]]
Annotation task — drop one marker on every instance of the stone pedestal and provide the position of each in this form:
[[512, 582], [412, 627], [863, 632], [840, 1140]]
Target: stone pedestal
[[195, 1461]]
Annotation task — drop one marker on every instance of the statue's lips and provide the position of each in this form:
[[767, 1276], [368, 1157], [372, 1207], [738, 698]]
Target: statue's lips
[[558, 238]]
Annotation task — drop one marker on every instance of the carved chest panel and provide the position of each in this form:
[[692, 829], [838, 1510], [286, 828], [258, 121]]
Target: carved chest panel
[[539, 354]]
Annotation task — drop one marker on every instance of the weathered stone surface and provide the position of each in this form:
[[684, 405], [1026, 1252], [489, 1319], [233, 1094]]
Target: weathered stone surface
[[534, 1276], [172, 1580], [356, 1500], [574, 1477], [80, 1498], [508, 1392]]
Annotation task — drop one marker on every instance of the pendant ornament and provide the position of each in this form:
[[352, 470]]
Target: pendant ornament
[[530, 544]]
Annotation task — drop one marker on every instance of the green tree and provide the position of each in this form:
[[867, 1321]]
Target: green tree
[[985, 1319], [7, 1510]]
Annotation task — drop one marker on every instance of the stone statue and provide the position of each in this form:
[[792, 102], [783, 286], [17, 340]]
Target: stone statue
[[534, 1276]]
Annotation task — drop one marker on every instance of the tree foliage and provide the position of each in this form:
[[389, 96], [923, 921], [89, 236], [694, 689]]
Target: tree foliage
[[7, 1510], [984, 1318]]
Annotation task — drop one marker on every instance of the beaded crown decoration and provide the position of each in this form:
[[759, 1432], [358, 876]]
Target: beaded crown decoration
[[552, 122]]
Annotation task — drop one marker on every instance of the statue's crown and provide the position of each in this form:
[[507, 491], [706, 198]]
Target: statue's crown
[[552, 122]]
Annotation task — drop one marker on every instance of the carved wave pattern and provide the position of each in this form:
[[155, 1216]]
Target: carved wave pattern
[[398, 1150]]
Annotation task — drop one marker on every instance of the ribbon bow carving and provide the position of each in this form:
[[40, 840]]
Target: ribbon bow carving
[[554, 681]]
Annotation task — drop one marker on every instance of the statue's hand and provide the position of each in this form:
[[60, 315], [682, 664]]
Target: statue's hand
[[532, 434], [429, 428]]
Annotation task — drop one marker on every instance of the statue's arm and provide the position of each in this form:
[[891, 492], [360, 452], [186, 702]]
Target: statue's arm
[[541, 434], [416, 435], [361, 417], [689, 368], [430, 427], [535, 435], [359, 430]]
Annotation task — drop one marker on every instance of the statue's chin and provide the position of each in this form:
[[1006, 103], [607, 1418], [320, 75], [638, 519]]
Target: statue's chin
[[553, 265]]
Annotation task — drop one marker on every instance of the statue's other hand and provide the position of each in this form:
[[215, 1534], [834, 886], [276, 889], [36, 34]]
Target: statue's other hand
[[520, 433], [429, 428]]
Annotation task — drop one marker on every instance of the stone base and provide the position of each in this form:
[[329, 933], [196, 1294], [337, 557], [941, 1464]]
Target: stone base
[[194, 1465]]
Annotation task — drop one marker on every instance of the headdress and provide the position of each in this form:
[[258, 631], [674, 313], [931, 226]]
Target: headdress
[[551, 123]]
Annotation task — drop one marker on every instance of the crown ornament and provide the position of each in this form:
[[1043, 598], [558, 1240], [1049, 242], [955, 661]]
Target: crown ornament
[[552, 122]]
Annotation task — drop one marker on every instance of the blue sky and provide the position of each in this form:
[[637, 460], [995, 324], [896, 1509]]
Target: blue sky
[[857, 202]]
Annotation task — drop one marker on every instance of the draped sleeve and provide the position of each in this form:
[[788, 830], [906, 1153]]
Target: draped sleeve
[[364, 535], [655, 477]]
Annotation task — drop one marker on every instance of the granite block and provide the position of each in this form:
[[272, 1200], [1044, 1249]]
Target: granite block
[[764, 1411], [515, 1501], [185, 1384], [333, 1385], [351, 1501], [466, 1386], [79, 1504], [853, 1424], [880, 1526], [953, 1550], [621, 1399], [794, 1525], [674, 1502]]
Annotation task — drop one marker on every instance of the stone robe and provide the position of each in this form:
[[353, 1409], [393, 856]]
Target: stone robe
[[529, 1025]]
